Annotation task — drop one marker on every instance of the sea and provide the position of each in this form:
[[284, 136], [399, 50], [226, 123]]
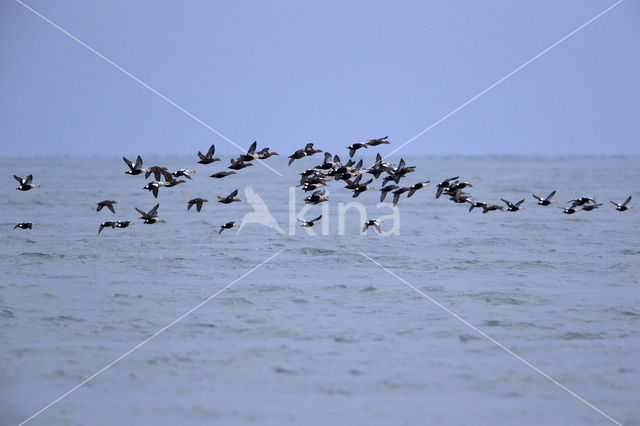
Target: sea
[[459, 318]]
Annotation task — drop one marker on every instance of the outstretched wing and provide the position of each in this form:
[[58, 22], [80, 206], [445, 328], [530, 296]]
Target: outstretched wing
[[138, 162], [212, 150], [127, 162], [308, 146], [627, 201], [364, 228], [317, 218], [377, 227], [28, 179], [18, 178], [233, 194], [508, 203], [550, 195], [537, 198], [252, 148], [519, 202], [154, 210], [141, 212]]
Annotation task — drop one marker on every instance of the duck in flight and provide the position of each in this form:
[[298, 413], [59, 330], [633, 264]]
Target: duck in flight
[[589, 207], [513, 207], [376, 142], [153, 187], [545, 201], [25, 225], [220, 175], [183, 173], [250, 155], [228, 225], [106, 225], [385, 190], [356, 146], [317, 197], [25, 184], [158, 172], [198, 203], [624, 206], [208, 159], [418, 186], [134, 169], [264, 153], [151, 216], [106, 203], [309, 223], [373, 222], [238, 164], [229, 198]]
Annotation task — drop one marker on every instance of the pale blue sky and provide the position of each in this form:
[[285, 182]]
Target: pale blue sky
[[332, 72]]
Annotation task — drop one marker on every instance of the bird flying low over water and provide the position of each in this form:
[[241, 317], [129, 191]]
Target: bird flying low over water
[[445, 184], [198, 202], [25, 225], [158, 172], [545, 201], [134, 169], [513, 207], [183, 173], [578, 202], [589, 207], [238, 164], [220, 175], [569, 210], [208, 159], [309, 223], [264, 153], [386, 190], [492, 207], [297, 155], [398, 192], [108, 204], [106, 225], [227, 225], [25, 184], [124, 223], [153, 187], [317, 197], [151, 216], [373, 222], [417, 186], [250, 155], [376, 142], [229, 198], [474, 204], [623, 207]]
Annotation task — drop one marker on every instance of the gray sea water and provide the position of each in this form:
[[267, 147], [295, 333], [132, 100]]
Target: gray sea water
[[320, 334]]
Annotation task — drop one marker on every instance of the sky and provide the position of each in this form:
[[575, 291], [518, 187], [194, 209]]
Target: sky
[[286, 73]]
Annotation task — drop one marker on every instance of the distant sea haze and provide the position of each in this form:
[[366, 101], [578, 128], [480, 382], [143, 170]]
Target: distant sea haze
[[320, 334]]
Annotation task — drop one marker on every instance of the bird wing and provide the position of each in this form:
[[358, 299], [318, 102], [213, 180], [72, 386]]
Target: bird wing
[[110, 207], [138, 162], [508, 203], [351, 152], [401, 164], [537, 198], [519, 202], [190, 204], [411, 192], [233, 194], [614, 203], [627, 201], [27, 180], [127, 162], [18, 178], [154, 210], [377, 227], [327, 157], [212, 150], [252, 148], [550, 195], [317, 218], [143, 214], [308, 146], [199, 205], [202, 157], [364, 228]]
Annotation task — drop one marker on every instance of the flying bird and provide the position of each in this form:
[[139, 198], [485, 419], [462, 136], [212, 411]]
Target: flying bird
[[623, 207], [108, 204], [25, 184], [208, 159], [198, 202]]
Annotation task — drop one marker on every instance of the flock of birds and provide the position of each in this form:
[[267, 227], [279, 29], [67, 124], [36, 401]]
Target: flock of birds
[[314, 179]]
